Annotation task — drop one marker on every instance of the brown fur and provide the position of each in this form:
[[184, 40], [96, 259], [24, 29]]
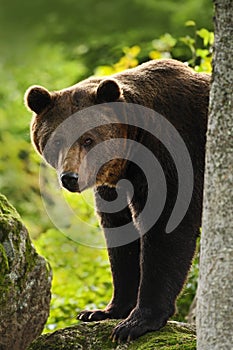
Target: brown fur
[[149, 272]]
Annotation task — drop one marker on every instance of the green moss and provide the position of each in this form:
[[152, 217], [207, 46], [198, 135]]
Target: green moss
[[11, 229], [12, 235], [30, 255], [4, 266], [7, 208], [174, 336], [9, 224]]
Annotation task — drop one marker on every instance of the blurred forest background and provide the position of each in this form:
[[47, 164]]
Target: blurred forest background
[[56, 44]]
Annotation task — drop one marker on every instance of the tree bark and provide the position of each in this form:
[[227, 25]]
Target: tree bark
[[215, 291]]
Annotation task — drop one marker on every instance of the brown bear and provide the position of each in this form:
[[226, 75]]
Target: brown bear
[[148, 270]]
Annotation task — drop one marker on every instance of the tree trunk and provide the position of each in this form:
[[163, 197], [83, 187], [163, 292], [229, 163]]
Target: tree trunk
[[215, 291]]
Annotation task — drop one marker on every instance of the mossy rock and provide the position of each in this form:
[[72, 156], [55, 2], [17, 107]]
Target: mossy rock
[[25, 283], [95, 336]]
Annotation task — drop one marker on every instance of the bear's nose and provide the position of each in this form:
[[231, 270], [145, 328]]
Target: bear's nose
[[70, 181]]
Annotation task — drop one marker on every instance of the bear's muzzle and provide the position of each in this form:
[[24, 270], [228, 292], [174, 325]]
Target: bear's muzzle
[[69, 181]]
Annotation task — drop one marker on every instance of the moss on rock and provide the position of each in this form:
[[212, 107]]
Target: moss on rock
[[174, 336], [7, 208], [25, 283]]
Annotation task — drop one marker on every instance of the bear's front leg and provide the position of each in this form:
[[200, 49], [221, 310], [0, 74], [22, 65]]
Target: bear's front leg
[[125, 273], [166, 259], [124, 261]]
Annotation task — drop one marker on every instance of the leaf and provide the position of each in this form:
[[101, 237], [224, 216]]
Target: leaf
[[104, 70], [190, 24], [211, 38], [187, 40], [205, 35], [165, 43], [154, 55], [132, 51], [205, 65], [203, 53]]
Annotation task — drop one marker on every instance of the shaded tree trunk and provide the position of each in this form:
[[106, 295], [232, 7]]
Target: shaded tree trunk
[[215, 291]]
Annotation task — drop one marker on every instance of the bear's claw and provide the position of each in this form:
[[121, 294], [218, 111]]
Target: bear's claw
[[112, 311], [94, 315], [135, 326]]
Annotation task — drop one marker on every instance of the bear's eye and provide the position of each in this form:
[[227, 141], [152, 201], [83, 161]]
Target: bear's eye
[[87, 142], [57, 143]]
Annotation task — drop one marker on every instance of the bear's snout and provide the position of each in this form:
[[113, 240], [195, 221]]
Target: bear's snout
[[69, 180]]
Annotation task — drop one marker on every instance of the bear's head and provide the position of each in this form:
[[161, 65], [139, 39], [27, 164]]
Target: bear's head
[[60, 132]]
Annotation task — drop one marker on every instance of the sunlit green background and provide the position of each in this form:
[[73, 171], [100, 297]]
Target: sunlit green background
[[56, 44]]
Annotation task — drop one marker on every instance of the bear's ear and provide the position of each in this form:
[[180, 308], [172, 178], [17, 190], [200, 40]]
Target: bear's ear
[[37, 98], [108, 91]]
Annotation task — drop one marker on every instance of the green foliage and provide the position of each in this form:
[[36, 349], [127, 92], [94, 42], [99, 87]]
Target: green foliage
[[81, 277], [185, 299], [94, 24], [128, 60], [19, 164], [198, 56], [200, 46]]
